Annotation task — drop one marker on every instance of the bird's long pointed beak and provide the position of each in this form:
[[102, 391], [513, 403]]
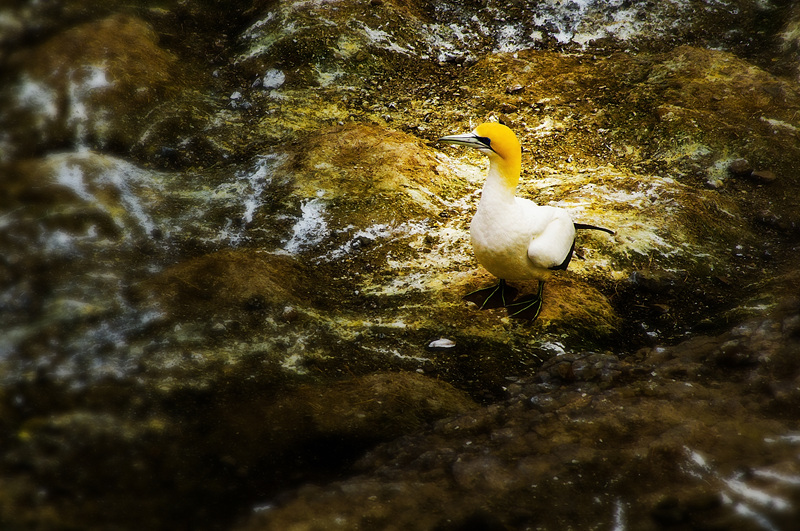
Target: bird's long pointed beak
[[468, 139]]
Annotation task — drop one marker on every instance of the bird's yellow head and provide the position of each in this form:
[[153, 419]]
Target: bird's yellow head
[[499, 143]]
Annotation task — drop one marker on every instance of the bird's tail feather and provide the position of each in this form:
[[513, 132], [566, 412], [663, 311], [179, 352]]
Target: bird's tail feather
[[592, 227]]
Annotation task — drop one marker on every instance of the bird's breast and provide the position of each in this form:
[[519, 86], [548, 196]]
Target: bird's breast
[[500, 238]]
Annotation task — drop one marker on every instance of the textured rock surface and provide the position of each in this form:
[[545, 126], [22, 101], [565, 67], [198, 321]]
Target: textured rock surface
[[692, 435], [233, 262], [91, 84]]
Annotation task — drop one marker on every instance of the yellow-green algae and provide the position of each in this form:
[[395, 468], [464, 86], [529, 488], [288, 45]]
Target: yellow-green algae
[[274, 278]]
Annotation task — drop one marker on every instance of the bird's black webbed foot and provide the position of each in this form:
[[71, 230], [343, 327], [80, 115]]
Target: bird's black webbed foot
[[527, 307], [498, 296]]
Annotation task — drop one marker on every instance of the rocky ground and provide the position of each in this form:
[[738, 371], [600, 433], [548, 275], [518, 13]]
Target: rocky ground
[[234, 256]]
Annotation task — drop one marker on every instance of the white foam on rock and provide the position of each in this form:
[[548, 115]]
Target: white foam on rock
[[310, 228]]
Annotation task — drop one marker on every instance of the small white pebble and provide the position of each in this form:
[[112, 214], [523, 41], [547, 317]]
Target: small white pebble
[[441, 344]]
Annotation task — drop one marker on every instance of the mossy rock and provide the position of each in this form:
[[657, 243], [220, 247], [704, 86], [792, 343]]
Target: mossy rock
[[229, 283], [256, 426], [216, 446], [359, 160], [631, 429], [92, 84]]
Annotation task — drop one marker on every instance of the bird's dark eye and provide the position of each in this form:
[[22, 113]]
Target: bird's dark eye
[[485, 140]]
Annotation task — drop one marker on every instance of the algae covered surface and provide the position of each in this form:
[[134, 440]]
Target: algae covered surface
[[233, 258]]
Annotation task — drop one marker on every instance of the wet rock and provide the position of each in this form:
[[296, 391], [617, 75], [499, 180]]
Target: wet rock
[[230, 283], [56, 449], [376, 407], [763, 176], [85, 194], [671, 511], [790, 38], [91, 85], [236, 331], [650, 435], [26, 24], [717, 87], [459, 34], [303, 42], [740, 168], [567, 299], [771, 220], [359, 161], [233, 435]]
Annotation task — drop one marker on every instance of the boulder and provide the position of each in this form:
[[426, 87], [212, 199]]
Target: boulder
[[234, 256], [91, 85], [660, 437]]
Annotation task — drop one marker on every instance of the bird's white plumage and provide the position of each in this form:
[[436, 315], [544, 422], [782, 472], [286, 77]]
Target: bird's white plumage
[[516, 239], [513, 238]]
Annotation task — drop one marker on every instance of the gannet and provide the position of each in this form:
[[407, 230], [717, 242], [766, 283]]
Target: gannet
[[513, 237]]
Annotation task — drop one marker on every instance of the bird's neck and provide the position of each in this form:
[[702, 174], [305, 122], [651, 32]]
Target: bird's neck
[[501, 183]]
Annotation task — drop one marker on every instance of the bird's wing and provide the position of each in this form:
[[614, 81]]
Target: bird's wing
[[551, 247]]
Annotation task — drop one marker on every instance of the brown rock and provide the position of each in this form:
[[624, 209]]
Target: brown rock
[[229, 281], [763, 176], [740, 168], [109, 67]]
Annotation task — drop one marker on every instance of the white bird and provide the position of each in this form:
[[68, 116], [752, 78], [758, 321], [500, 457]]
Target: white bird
[[513, 237]]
